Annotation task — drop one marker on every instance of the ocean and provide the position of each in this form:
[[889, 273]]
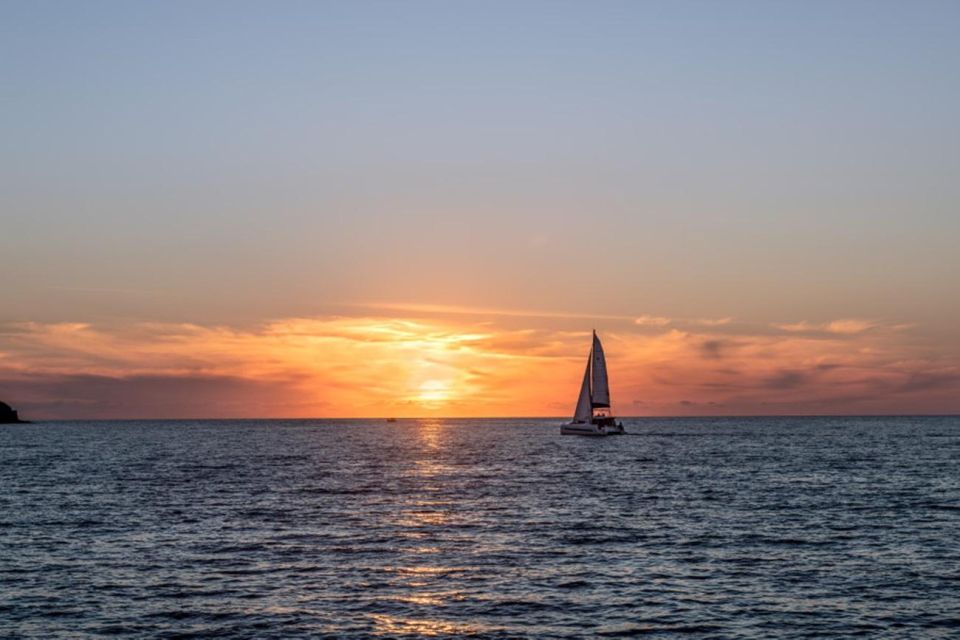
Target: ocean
[[720, 528]]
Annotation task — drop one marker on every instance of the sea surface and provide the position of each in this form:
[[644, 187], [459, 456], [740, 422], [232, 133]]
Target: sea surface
[[721, 528]]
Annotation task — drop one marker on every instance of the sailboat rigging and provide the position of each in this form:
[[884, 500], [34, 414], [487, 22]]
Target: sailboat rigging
[[593, 415]]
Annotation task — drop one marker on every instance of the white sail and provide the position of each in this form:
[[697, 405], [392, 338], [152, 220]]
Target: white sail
[[601, 389], [584, 410]]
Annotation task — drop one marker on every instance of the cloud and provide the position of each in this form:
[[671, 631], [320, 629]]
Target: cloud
[[686, 404], [878, 371], [784, 380], [711, 322], [652, 321], [457, 310], [334, 366], [716, 349], [796, 326], [930, 381], [662, 321], [421, 364], [157, 396], [848, 326]]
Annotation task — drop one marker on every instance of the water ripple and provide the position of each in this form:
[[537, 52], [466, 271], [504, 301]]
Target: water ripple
[[727, 528]]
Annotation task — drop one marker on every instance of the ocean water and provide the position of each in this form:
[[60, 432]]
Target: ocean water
[[725, 528]]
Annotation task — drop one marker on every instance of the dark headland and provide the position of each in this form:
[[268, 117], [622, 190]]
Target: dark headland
[[8, 415]]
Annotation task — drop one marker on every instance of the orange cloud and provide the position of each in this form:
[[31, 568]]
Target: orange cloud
[[652, 321], [661, 321], [845, 326], [712, 322], [329, 366], [457, 310], [412, 366]]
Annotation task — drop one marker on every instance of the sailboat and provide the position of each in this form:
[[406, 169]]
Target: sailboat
[[593, 416]]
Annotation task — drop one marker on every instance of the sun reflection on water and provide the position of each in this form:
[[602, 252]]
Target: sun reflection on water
[[429, 430], [422, 599], [425, 515], [394, 625]]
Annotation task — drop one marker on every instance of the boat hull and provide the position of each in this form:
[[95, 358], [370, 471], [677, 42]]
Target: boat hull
[[582, 429], [590, 429]]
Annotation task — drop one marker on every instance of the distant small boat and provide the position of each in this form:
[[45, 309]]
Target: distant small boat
[[593, 416], [391, 419]]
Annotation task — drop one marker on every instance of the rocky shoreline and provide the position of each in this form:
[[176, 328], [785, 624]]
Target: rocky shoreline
[[9, 415]]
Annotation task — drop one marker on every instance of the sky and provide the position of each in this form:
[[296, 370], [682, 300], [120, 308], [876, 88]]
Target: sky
[[342, 209]]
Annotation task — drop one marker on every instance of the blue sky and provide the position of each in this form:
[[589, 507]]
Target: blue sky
[[238, 162]]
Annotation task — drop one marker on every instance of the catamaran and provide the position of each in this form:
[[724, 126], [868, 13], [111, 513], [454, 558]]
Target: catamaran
[[593, 416]]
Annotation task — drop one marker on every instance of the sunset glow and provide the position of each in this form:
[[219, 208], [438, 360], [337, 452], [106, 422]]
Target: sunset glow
[[449, 365]]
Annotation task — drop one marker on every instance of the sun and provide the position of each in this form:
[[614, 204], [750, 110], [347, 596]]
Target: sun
[[433, 392]]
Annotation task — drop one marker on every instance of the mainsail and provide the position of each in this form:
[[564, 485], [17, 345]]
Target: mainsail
[[584, 411], [601, 390]]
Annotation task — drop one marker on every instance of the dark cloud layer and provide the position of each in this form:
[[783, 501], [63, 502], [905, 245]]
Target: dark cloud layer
[[150, 396], [785, 380]]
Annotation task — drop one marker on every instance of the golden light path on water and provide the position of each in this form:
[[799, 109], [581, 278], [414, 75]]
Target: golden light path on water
[[390, 626], [420, 518]]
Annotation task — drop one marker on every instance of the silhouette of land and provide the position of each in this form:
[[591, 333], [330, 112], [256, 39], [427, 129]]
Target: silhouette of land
[[8, 415]]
